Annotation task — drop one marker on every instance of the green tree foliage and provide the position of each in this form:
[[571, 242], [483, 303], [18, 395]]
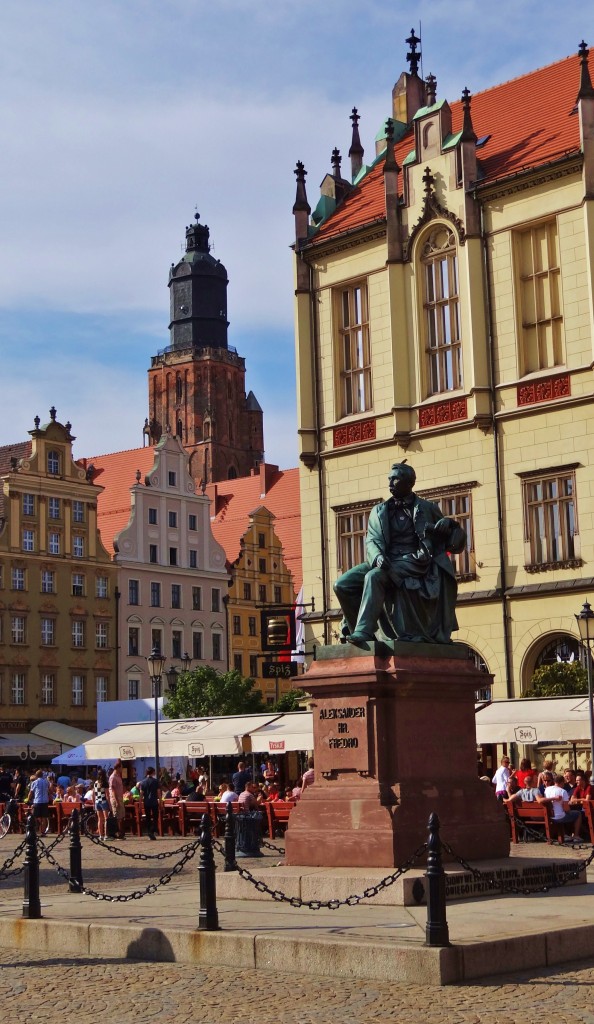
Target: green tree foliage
[[204, 692], [561, 679], [290, 701]]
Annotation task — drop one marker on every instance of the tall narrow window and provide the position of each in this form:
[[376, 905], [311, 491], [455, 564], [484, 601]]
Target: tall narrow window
[[48, 632], [78, 584], [102, 634], [155, 595], [47, 581], [18, 579], [53, 544], [102, 586], [78, 691], [550, 520], [28, 505], [457, 504], [176, 595], [441, 312], [78, 512], [101, 688], [133, 591], [18, 630], [197, 646], [78, 546], [53, 462], [176, 643], [133, 689], [216, 647], [54, 510], [354, 350], [48, 688], [196, 598], [133, 641], [215, 599], [78, 633], [28, 540], [539, 293], [17, 688]]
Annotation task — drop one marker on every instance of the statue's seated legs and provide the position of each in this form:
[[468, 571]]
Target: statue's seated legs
[[361, 593]]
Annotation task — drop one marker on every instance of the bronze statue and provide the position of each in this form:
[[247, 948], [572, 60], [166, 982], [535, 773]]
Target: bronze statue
[[406, 590]]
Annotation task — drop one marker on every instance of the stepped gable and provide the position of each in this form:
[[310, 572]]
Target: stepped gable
[[234, 500], [116, 472], [531, 123]]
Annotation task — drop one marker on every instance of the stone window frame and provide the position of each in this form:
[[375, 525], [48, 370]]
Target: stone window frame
[[352, 349], [542, 310], [443, 369], [465, 562], [570, 542], [343, 513]]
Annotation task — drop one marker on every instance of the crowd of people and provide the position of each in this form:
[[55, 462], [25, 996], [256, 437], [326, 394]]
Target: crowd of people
[[108, 793], [566, 792]]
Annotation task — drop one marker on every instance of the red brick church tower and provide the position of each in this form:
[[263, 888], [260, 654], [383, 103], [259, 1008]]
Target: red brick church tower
[[197, 384]]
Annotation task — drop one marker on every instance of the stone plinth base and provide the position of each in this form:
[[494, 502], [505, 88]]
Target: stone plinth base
[[394, 740]]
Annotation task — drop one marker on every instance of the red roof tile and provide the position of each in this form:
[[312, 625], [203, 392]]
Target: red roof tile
[[236, 499], [530, 123], [117, 474]]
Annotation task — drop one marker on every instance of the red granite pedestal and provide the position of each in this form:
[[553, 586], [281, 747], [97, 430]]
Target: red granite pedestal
[[394, 740]]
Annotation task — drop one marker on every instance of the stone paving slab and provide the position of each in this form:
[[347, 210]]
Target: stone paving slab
[[366, 941]]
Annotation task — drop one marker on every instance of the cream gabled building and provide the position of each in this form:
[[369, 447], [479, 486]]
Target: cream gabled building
[[57, 587], [444, 315], [172, 576]]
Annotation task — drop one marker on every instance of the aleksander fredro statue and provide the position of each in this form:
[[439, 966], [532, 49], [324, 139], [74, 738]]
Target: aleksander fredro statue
[[406, 590]]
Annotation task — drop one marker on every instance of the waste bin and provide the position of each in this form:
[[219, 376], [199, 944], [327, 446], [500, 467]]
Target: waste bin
[[248, 834]]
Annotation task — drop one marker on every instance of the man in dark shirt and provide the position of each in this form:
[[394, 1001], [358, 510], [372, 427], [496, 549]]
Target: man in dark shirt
[[149, 787], [241, 776]]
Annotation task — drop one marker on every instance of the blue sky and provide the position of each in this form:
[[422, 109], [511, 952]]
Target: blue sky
[[119, 117]]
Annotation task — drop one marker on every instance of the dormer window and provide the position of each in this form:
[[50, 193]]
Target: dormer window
[[53, 462]]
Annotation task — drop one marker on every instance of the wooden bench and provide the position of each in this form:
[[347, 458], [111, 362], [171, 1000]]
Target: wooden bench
[[191, 813], [169, 818], [278, 813], [219, 813], [533, 815], [587, 809]]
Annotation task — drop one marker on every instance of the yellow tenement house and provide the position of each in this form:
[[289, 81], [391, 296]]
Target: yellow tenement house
[[444, 315]]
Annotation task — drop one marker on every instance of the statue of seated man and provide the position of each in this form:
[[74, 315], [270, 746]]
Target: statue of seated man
[[406, 590]]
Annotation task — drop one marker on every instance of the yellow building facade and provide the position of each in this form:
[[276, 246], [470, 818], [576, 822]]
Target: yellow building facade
[[444, 315], [58, 590]]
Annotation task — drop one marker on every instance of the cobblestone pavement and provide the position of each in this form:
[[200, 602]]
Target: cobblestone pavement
[[85, 989]]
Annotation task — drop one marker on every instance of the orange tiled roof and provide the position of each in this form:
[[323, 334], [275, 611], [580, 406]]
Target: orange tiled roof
[[236, 499], [530, 123], [117, 474], [18, 450]]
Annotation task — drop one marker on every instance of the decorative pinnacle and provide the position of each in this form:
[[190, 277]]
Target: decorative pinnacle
[[37, 421], [586, 90], [413, 57], [431, 89], [468, 132], [301, 203], [336, 161], [53, 412], [354, 116], [300, 171], [138, 476], [68, 426], [390, 161], [428, 181]]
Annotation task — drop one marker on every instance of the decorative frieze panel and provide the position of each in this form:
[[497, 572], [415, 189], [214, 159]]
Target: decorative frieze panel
[[354, 433], [544, 390], [440, 413]]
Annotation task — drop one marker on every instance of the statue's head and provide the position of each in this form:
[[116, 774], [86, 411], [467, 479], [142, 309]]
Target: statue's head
[[401, 480]]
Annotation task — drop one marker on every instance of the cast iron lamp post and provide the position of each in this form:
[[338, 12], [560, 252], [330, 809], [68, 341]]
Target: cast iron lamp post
[[186, 662], [585, 621], [172, 678], [156, 665]]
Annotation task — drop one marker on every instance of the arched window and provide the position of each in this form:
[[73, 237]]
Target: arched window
[[178, 387], [232, 474], [53, 462], [483, 692], [441, 311]]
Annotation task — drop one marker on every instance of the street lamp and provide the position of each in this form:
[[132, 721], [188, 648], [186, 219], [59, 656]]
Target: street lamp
[[156, 664], [172, 678], [186, 662], [585, 621]]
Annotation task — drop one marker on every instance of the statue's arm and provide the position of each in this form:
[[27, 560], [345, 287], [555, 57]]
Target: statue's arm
[[374, 542]]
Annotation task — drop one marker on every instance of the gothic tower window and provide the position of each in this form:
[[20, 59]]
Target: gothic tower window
[[441, 311], [178, 387]]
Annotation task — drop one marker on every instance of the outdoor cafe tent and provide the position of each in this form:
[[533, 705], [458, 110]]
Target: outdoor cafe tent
[[192, 737], [546, 719], [292, 731]]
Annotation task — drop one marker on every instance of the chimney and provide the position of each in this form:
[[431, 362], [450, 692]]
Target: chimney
[[268, 473]]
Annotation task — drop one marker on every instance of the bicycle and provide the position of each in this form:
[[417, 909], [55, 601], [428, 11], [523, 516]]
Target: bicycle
[[10, 820]]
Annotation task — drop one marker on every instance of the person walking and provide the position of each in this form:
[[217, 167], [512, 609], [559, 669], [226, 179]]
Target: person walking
[[149, 787], [116, 798], [101, 803], [39, 797]]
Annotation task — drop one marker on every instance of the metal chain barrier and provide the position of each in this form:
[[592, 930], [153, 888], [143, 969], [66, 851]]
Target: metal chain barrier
[[5, 871], [350, 901], [489, 878], [271, 846], [117, 850], [138, 894]]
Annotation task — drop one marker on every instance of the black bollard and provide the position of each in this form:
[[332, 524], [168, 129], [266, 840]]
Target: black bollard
[[31, 902], [230, 862], [436, 931], [208, 918], [75, 882]]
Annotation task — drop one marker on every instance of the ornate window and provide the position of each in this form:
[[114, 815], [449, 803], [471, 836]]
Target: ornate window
[[354, 350], [550, 520], [538, 279], [441, 311]]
